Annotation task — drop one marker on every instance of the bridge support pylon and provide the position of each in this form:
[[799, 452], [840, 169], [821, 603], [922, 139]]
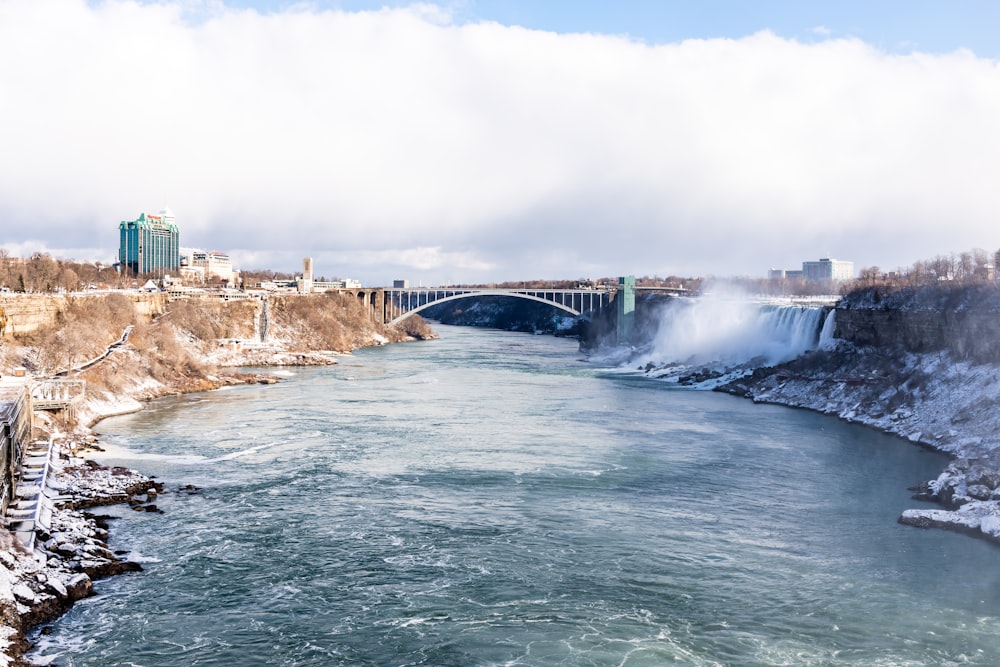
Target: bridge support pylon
[[625, 302]]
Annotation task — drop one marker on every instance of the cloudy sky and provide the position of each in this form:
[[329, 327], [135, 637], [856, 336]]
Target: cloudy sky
[[489, 140]]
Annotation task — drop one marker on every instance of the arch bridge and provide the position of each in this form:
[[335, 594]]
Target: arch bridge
[[392, 305], [402, 302]]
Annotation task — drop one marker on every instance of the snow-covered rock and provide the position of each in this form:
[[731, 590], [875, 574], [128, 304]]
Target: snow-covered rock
[[23, 593], [57, 586]]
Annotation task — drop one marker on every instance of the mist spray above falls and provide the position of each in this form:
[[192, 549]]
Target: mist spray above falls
[[732, 330]]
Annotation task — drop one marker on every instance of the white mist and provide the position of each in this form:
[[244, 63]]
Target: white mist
[[728, 329]]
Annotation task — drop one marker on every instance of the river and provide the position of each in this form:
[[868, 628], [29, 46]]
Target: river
[[492, 498]]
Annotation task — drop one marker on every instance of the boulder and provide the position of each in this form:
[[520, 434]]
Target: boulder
[[979, 492], [57, 587], [24, 594], [990, 525]]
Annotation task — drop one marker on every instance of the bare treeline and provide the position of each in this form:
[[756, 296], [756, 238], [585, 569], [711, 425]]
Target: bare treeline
[[42, 273], [971, 266]]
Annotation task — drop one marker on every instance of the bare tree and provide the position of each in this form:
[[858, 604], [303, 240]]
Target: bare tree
[[869, 276], [5, 277], [966, 268], [981, 264], [68, 280], [918, 274], [941, 268]]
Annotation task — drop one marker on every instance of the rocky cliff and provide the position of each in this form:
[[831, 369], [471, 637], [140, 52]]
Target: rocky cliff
[[22, 314], [963, 320]]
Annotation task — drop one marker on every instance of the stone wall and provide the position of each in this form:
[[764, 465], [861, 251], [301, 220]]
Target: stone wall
[[25, 313]]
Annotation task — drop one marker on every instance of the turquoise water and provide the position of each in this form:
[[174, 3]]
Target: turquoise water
[[492, 499]]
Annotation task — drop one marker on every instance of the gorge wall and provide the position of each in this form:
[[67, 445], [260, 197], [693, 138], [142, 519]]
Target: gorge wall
[[27, 313], [49, 334], [964, 320]]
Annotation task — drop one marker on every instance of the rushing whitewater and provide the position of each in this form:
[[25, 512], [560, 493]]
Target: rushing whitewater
[[726, 332]]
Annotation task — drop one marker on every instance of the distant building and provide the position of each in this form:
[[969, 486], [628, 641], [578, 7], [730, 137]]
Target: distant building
[[188, 271], [828, 269], [781, 274], [401, 284], [149, 244], [336, 283], [199, 266], [215, 264], [304, 285], [307, 283]]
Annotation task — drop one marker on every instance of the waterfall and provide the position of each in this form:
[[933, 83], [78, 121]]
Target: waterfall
[[732, 331], [826, 339]]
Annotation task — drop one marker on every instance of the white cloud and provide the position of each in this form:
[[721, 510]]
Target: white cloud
[[396, 139]]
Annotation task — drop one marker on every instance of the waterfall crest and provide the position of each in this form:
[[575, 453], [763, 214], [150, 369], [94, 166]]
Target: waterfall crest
[[735, 331]]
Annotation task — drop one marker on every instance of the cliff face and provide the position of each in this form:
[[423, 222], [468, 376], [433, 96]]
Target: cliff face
[[26, 313], [964, 320]]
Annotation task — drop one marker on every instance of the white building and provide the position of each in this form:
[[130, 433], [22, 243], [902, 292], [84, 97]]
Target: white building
[[204, 266], [828, 269]]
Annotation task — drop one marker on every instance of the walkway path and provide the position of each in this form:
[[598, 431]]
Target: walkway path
[[111, 348], [32, 505]]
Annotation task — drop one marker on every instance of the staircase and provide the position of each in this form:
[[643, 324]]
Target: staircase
[[31, 509]]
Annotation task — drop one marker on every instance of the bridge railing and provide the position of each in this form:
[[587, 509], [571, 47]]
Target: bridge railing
[[57, 394]]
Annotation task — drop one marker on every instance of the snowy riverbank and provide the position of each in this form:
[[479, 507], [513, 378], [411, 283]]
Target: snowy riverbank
[[932, 399], [38, 585]]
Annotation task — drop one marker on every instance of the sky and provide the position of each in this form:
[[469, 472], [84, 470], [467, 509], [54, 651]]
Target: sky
[[485, 141]]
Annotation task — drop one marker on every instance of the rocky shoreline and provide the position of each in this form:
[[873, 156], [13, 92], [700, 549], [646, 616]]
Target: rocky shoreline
[[932, 399], [40, 585]]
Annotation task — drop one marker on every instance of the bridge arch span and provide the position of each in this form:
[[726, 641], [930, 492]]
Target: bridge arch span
[[482, 292]]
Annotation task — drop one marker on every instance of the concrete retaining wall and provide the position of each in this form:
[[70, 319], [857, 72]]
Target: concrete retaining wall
[[15, 433]]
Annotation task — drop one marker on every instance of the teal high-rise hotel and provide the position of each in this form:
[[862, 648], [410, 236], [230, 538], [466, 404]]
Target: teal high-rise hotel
[[150, 244]]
